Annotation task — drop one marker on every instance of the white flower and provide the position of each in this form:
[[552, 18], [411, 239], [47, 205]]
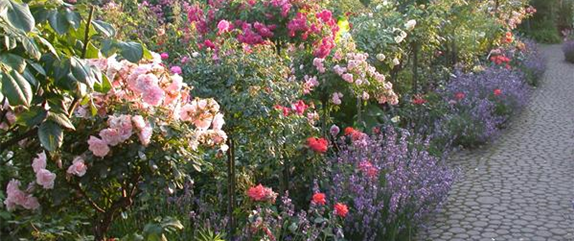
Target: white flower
[[195, 54], [381, 57], [396, 61], [410, 25], [396, 119]]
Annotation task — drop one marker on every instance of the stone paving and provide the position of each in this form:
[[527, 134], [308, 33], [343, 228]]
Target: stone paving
[[521, 187]]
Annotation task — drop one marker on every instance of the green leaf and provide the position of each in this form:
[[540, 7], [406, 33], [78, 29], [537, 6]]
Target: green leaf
[[61, 119], [131, 51], [31, 48], [51, 135], [92, 52], [104, 86], [13, 61], [19, 16], [31, 117], [104, 28], [81, 71], [16, 88], [73, 18], [59, 22], [37, 67], [48, 45], [9, 43]]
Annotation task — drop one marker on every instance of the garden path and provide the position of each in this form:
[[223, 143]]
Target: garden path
[[521, 187]]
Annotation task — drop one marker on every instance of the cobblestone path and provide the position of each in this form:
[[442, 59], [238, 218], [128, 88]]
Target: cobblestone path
[[521, 187]]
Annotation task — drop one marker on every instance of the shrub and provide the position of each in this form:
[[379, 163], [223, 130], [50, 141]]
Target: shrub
[[533, 62], [390, 182]]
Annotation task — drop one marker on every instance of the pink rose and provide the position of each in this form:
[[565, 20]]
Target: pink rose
[[223, 26], [39, 162], [145, 82], [138, 121], [188, 112], [78, 167], [175, 69], [202, 123], [45, 178], [111, 136], [153, 96], [30, 203], [145, 134], [15, 196], [98, 147], [218, 122], [348, 77], [164, 56]]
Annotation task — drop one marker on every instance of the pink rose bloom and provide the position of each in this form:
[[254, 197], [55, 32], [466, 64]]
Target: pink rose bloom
[[336, 99], [164, 56], [39, 162], [334, 130], [111, 136], [176, 84], [30, 203], [145, 135], [223, 26], [145, 82], [218, 122], [98, 147], [45, 178], [15, 196], [78, 167], [153, 96], [203, 123], [138, 121], [175, 69], [188, 112], [219, 137], [348, 77]]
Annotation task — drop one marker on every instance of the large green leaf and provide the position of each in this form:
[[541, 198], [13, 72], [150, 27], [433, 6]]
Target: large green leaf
[[19, 16], [82, 72], [16, 88], [59, 22], [61, 119], [13, 61], [31, 117], [104, 28], [51, 135], [131, 51], [31, 48]]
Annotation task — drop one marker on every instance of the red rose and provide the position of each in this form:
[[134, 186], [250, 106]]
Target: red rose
[[318, 145], [341, 210], [497, 92], [349, 130], [319, 198], [459, 96], [260, 193]]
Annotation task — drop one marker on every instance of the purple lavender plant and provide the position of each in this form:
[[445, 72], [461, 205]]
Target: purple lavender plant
[[482, 102], [390, 182], [568, 49]]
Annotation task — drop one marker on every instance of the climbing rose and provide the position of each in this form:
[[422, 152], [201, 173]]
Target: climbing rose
[[319, 199], [39, 162], [78, 167], [341, 210], [497, 92], [98, 146], [15, 196], [218, 122], [318, 145], [45, 178], [260, 193], [153, 96], [111, 136]]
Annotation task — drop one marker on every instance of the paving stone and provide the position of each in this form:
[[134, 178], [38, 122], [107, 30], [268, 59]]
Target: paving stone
[[520, 186]]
